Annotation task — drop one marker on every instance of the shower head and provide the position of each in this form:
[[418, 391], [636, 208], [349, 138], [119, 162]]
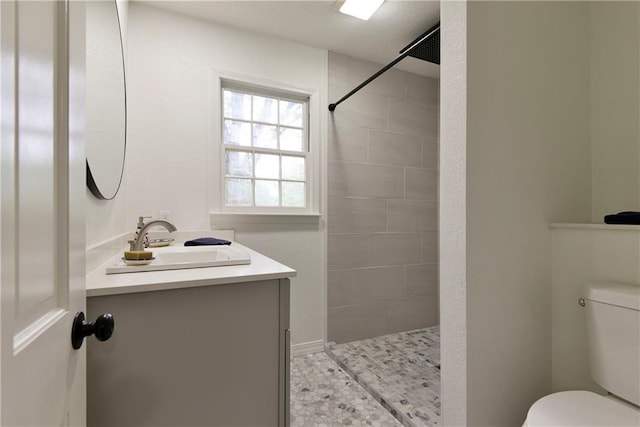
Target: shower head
[[429, 48]]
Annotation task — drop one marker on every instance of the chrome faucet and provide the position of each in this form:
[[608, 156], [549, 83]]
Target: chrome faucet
[[138, 243]]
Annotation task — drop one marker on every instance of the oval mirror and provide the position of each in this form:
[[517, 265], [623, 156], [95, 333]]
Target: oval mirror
[[106, 99]]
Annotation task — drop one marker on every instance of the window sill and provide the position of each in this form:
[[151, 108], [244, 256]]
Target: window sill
[[218, 218]]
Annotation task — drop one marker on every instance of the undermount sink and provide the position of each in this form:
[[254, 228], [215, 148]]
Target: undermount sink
[[181, 257]]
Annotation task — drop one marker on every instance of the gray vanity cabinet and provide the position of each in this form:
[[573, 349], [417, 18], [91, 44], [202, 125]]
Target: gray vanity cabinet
[[198, 356]]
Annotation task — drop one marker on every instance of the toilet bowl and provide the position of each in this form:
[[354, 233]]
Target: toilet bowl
[[581, 408]]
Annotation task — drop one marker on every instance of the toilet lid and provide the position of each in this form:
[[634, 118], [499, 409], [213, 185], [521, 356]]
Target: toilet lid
[[581, 408]]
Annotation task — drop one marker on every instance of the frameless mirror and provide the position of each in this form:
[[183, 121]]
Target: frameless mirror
[[106, 99]]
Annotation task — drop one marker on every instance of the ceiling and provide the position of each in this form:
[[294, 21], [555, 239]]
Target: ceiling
[[316, 23]]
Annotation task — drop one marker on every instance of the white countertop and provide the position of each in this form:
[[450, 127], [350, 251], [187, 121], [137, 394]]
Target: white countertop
[[261, 268]]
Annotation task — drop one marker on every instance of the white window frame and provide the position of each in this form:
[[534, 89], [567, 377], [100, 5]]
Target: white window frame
[[253, 84]]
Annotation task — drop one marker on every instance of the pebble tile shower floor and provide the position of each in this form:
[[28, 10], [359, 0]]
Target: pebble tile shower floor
[[324, 395], [400, 373]]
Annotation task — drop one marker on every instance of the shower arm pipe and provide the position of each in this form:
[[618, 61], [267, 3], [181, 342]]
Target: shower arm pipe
[[400, 57]]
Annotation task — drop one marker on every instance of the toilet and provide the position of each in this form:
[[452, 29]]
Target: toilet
[[612, 314]]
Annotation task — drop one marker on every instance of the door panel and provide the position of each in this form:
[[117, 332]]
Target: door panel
[[42, 221], [37, 288]]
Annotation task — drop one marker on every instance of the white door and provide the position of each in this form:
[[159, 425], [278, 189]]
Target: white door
[[42, 215]]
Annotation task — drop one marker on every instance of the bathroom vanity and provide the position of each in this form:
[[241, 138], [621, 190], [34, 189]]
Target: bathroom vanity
[[193, 347]]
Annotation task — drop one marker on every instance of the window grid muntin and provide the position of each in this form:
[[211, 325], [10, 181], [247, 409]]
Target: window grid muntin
[[304, 101], [280, 154], [278, 126], [279, 97], [253, 178]]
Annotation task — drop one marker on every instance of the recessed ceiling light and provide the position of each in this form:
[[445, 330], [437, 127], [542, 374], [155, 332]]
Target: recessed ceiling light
[[362, 9]]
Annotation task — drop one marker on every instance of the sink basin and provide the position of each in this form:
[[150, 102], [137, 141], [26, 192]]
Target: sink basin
[[196, 255], [180, 257]]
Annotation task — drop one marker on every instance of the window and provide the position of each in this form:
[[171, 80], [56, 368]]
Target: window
[[265, 149]]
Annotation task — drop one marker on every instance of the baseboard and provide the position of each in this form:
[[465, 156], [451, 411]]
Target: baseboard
[[307, 348]]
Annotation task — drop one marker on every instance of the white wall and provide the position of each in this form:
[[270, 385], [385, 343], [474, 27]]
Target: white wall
[[452, 220], [171, 62], [585, 253], [527, 163], [581, 254], [552, 135], [614, 29]]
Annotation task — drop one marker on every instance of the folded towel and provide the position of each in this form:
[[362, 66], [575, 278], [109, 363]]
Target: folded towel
[[627, 217], [203, 241]]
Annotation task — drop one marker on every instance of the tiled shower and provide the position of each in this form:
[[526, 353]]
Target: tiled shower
[[383, 237], [383, 202]]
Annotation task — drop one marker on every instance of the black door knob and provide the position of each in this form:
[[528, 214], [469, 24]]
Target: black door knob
[[102, 328]]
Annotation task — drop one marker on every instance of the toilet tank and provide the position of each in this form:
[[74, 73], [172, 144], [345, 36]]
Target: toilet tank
[[613, 338]]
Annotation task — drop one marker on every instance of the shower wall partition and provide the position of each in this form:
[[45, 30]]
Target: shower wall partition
[[383, 202]]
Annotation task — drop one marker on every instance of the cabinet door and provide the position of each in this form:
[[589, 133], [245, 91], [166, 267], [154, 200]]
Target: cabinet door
[[185, 357]]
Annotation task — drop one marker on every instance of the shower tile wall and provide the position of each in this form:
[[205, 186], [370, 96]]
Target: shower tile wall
[[383, 202]]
